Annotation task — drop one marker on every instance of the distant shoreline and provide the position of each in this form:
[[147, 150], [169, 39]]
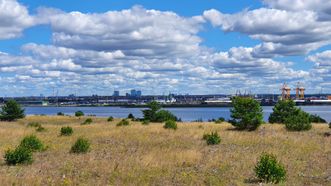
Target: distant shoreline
[[172, 105]]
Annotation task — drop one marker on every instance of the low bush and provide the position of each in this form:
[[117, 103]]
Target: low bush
[[40, 129], [269, 170], [60, 114], [145, 122], [20, 155], [131, 116], [316, 119], [170, 124], [219, 120], [330, 125], [110, 118], [212, 138], [87, 121], [123, 122], [79, 113], [32, 143], [298, 122], [34, 124], [165, 115], [82, 145], [66, 131], [198, 120]]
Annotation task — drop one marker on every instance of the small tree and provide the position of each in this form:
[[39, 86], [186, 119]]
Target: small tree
[[269, 170], [79, 113], [60, 114], [298, 122], [11, 111], [150, 114], [282, 110], [131, 116], [219, 120], [246, 113], [212, 139], [154, 114], [110, 118]]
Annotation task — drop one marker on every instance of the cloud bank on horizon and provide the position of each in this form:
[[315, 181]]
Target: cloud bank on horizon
[[162, 51]]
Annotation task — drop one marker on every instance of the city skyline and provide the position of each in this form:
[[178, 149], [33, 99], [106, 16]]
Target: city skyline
[[165, 46]]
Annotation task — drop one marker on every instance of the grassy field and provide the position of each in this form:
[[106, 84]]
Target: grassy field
[[152, 155]]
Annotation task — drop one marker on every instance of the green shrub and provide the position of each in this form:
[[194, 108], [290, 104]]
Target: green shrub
[[269, 170], [219, 120], [150, 114], [298, 122], [165, 115], [170, 124], [212, 139], [198, 120], [130, 116], [282, 110], [20, 155], [40, 129], [32, 143], [145, 122], [60, 114], [87, 121], [66, 131], [110, 118], [154, 114], [123, 122], [82, 145], [316, 119], [246, 113], [11, 111], [34, 124], [79, 113]]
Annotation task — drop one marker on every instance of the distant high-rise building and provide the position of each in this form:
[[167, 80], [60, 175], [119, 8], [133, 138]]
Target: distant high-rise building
[[127, 94], [138, 93], [133, 93], [116, 93]]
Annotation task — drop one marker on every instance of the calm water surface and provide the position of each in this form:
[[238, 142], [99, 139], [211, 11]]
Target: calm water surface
[[186, 114]]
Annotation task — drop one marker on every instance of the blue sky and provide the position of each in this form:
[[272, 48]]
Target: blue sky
[[196, 47]]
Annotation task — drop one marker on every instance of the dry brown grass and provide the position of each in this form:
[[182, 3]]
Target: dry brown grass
[[151, 155]]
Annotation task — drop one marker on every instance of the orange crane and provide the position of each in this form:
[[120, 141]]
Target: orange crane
[[300, 91], [286, 92]]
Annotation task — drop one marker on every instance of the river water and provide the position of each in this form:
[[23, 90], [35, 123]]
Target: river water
[[186, 114]]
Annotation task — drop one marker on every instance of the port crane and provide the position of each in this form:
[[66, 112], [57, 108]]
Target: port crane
[[286, 91], [300, 91]]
